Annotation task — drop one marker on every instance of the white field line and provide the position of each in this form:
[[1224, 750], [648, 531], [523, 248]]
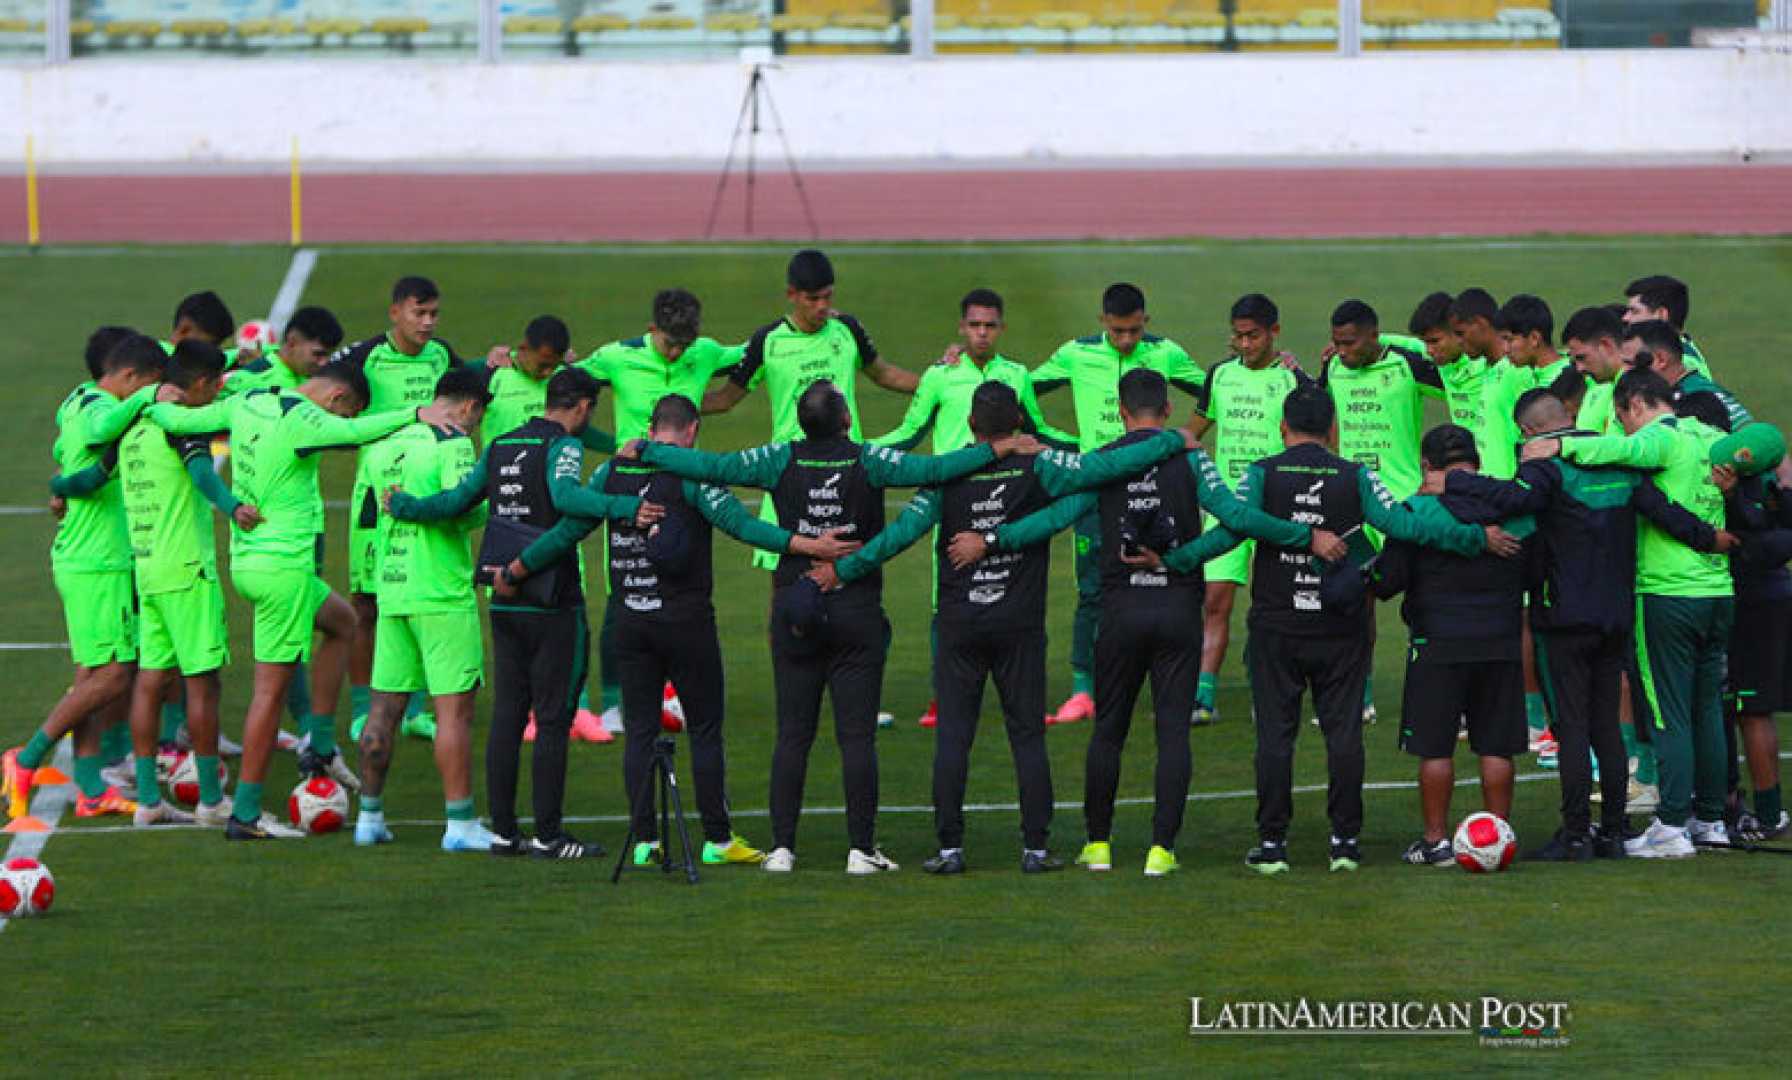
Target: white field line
[[292, 287], [47, 806]]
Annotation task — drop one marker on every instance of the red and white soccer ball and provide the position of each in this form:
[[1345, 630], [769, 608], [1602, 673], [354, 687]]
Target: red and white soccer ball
[[318, 805], [168, 759], [26, 888], [1484, 843], [255, 334], [183, 783]]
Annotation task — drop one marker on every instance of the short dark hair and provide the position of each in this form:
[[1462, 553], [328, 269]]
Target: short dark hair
[[1656, 336], [99, 343], [1591, 324], [995, 409], [138, 353], [980, 298], [192, 361], [1449, 444], [1309, 410], [206, 310], [809, 271], [673, 411], [821, 410], [547, 330], [1122, 298], [678, 314], [1143, 392], [1474, 303], [1355, 313], [1662, 291], [318, 324], [1641, 386], [1526, 314], [1433, 313], [1257, 308], [465, 384], [351, 378], [569, 386], [1570, 384], [1705, 407], [1535, 397], [412, 287]]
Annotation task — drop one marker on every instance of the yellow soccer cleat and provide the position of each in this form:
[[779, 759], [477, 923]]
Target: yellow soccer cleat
[[1160, 861], [15, 784], [735, 850], [1096, 855]]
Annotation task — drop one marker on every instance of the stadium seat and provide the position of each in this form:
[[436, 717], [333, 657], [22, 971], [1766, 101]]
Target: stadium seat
[[121, 31], [1125, 20], [731, 24], [319, 29], [1260, 18], [799, 24], [16, 26], [876, 24], [665, 22], [81, 28], [599, 24], [1195, 20], [255, 28], [1314, 18], [192, 30], [1067, 21], [532, 24], [995, 22]]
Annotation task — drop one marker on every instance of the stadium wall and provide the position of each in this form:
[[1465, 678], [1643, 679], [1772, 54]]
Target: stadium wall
[[1482, 107]]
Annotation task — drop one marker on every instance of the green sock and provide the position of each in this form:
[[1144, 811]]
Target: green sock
[[610, 694], [115, 742], [460, 809], [1369, 692], [1646, 770], [298, 695], [1205, 688], [373, 804], [173, 716], [1534, 716], [1082, 681], [210, 791], [87, 775], [1767, 805], [149, 793], [248, 802], [360, 698], [417, 706], [323, 734], [585, 699], [36, 750]]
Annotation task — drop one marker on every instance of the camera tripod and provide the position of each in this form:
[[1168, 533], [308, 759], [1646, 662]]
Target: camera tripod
[[664, 776], [748, 122]]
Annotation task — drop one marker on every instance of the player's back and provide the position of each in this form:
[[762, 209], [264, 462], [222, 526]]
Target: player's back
[[424, 566], [170, 524], [92, 534], [270, 473]]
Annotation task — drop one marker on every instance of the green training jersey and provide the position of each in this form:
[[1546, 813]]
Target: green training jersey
[[1596, 413], [275, 437], [171, 525], [942, 404], [1696, 383], [266, 372], [1677, 451], [92, 535], [425, 567], [1506, 383], [1092, 367], [1245, 406], [517, 398], [1692, 357], [1462, 381], [397, 380], [637, 376], [1381, 412], [787, 361]]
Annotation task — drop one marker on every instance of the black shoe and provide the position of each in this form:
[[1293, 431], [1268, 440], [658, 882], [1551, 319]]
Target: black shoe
[[236, 829], [564, 846], [1609, 845], [1753, 830], [1039, 862], [1345, 854], [1424, 853], [1565, 846], [1268, 857], [946, 862], [509, 847]]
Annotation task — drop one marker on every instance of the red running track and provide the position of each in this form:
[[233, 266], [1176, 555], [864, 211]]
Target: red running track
[[1029, 204]]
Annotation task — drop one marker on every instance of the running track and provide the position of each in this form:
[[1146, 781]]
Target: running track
[[1036, 203]]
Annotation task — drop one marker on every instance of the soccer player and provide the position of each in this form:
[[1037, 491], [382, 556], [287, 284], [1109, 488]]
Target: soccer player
[[428, 638], [1463, 615], [1656, 345], [990, 617], [1686, 602], [1240, 401], [1583, 609], [1092, 367], [942, 402], [90, 561], [1591, 340], [1461, 373], [826, 482], [201, 316], [307, 341], [277, 436], [182, 620], [1659, 296]]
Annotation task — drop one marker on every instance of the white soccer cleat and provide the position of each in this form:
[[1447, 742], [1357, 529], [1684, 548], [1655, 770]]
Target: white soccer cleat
[[1711, 834], [145, 817], [612, 719], [780, 861], [370, 829], [278, 829], [340, 772], [862, 863], [1660, 842], [122, 776], [229, 747], [459, 836], [215, 816]]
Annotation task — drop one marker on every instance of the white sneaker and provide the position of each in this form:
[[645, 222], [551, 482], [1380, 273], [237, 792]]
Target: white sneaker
[[458, 836], [1711, 834], [873, 862], [780, 861], [229, 747], [122, 776], [285, 741], [160, 814], [612, 718], [370, 829], [278, 829], [215, 816], [341, 773], [1660, 842], [1642, 798]]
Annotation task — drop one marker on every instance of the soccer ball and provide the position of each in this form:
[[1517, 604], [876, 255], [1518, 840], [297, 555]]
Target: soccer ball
[[26, 888], [168, 759], [183, 783], [318, 805], [255, 334], [1484, 843]]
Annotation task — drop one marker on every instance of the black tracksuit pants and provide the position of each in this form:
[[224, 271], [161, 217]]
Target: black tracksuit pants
[[1160, 639], [1015, 658], [539, 661], [848, 663], [1283, 667], [650, 653], [1583, 672]]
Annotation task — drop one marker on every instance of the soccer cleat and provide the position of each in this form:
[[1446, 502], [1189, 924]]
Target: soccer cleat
[[1660, 841], [509, 847], [1540, 737], [105, 803], [864, 863], [1422, 852], [1203, 715], [1642, 798], [311, 763], [1345, 855], [370, 829], [946, 862], [587, 726], [288, 743], [229, 747], [529, 729], [15, 782], [213, 816], [1370, 715], [356, 726], [1096, 855], [421, 726], [612, 719], [264, 828], [144, 817], [1607, 846], [122, 776], [563, 846], [1548, 751], [931, 718], [1708, 834], [671, 710], [1160, 861], [647, 852], [886, 720], [1564, 846], [1079, 706], [735, 850], [1039, 862], [466, 836], [1753, 830], [780, 861], [1268, 857]]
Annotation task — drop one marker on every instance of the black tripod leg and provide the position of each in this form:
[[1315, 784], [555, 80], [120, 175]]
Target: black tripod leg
[[740, 124], [802, 193], [684, 832], [663, 768]]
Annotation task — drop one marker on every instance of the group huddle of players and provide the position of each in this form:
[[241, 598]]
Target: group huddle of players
[[1593, 548]]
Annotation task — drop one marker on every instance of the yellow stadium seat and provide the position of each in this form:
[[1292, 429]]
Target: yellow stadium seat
[[876, 24], [249, 28], [1125, 20], [196, 28], [1195, 20], [400, 25], [532, 24], [120, 29], [1067, 21], [941, 23], [1260, 18], [599, 24], [322, 28], [799, 24], [1393, 17], [665, 22], [731, 24], [995, 22], [14, 26], [81, 28], [1313, 18]]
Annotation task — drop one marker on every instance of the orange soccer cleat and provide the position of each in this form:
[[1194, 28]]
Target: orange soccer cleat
[[107, 802]]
